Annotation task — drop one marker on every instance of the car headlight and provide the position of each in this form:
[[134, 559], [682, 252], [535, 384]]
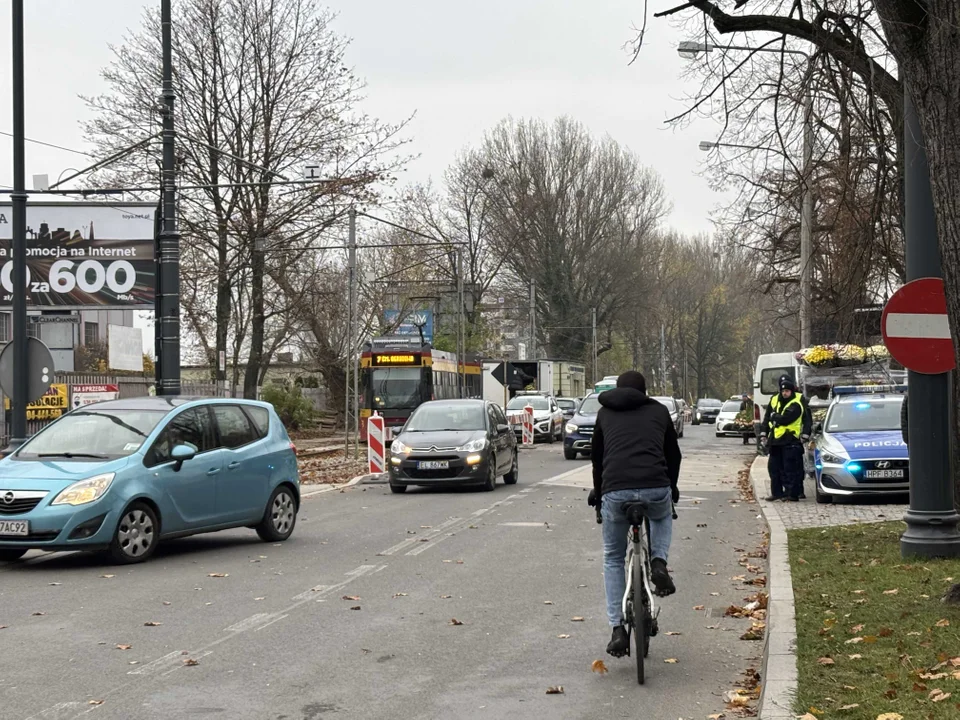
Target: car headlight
[[398, 448], [831, 458], [84, 491], [473, 446], [571, 428]]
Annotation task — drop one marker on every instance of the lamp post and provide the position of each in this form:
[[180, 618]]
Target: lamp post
[[689, 50]]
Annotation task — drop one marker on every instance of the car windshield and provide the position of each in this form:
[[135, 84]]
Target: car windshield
[[566, 403], [732, 406], [590, 405], [433, 417], [93, 434], [396, 388], [708, 403], [873, 415], [537, 402], [669, 403]]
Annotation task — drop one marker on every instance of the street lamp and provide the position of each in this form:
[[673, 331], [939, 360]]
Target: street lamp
[[689, 50]]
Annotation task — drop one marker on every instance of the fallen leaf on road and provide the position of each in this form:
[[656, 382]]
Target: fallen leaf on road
[[446, 597], [107, 577], [218, 575], [674, 633], [190, 662], [716, 716], [708, 573], [55, 584], [259, 598], [563, 637], [715, 594], [891, 592], [165, 602], [938, 695], [95, 702], [396, 595], [698, 607], [454, 621], [548, 602], [38, 614], [826, 661], [558, 690], [352, 598], [424, 539], [671, 661], [459, 562], [3, 627], [152, 623], [943, 623], [599, 667], [576, 619], [124, 647], [355, 607]]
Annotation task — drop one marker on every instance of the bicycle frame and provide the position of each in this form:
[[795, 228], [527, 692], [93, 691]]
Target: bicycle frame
[[638, 543]]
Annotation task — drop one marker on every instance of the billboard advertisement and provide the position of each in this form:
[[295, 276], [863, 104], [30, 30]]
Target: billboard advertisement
[[412, 323], [83, 255]]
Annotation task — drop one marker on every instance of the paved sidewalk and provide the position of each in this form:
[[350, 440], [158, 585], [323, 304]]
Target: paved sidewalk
[[807, 513]]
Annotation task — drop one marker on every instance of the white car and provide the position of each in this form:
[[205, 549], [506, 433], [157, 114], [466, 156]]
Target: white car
[[547, 417], [725, 420]]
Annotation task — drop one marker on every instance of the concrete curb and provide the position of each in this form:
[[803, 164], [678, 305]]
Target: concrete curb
[[779, 676], [330, 488]]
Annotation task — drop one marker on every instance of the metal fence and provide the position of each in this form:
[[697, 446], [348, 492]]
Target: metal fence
[[128, 387]]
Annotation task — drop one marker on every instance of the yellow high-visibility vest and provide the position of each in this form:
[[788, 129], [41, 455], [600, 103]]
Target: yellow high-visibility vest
[[796, 427]]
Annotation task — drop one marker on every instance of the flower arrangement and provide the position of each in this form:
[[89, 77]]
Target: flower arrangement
[[841, 355]]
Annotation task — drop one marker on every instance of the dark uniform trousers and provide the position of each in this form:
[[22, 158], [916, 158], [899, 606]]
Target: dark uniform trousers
[[785, 465]]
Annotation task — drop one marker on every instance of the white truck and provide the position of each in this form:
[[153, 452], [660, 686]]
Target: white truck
[[559, 378]]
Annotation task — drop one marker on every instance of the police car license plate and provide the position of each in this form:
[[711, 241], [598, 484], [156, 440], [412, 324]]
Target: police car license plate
[[433, 465], [883, 474], [17, 528]]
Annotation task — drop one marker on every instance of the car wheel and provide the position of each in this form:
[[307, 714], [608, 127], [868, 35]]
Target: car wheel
[[12, 555], [279, 517], [398, 489], [822, 498], [570, 453], [136, 536], [551, 438], [511, 477], [491, 482]]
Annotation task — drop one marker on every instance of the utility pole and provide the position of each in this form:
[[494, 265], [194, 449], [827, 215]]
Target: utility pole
[[806, 219], [168, 323], [352, 354], [461, 328], [593, 324], [931, 518], [18, 405], [663, 356], [533, 320]]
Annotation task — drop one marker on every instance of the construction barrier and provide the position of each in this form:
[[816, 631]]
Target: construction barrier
[[376, 450], [527, 425]]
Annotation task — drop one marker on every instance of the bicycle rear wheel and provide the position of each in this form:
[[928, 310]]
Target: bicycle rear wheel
[[641, 624]]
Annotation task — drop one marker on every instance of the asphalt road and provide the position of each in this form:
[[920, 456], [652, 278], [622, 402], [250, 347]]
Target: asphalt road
[[353, 617]]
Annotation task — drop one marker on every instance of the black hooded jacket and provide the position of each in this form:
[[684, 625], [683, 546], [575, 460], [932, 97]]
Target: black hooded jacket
[[634, 443]]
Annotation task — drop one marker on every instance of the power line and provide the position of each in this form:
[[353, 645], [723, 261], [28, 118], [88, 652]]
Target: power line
[[49, 145]]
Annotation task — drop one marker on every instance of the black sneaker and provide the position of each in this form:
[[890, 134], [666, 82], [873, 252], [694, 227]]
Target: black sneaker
[[773, 498], [791, 499], [661, 578], [620, 642]]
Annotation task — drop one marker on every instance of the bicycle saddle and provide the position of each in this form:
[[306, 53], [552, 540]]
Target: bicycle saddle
[[635, 510]]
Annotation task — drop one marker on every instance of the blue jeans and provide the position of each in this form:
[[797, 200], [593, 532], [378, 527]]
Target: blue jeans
[[615, 528]]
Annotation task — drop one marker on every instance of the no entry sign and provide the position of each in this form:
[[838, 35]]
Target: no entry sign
[[916, 330]]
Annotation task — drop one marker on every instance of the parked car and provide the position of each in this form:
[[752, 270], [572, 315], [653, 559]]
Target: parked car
[[675, 415], [125, 474], [859, 449], [578, 432], [454, 442], [706, 411], [547, 416], [726, 425], [568, 406]]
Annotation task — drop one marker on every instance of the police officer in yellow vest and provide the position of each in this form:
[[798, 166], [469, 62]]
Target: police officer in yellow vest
[[782, 428]]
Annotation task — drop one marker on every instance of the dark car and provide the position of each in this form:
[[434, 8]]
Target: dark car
[[452, 443], [578, 431], [706, 411], [568, 406], [676, 414]]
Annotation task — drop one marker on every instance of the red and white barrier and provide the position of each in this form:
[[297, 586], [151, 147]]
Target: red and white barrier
[[376, 448], [527, 425]]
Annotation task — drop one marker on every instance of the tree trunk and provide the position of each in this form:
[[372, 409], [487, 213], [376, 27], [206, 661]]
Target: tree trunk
[[257, 325]]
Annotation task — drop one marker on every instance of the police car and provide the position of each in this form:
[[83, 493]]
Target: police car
[[859, 449]]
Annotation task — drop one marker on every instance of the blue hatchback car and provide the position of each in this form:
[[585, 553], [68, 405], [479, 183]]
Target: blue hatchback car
[[122, 475]]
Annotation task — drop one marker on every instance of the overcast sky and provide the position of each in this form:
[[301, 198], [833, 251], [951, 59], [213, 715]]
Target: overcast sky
[[460, 67]]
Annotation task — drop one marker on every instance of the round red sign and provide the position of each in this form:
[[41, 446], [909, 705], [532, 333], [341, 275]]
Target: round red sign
[[916, 330]]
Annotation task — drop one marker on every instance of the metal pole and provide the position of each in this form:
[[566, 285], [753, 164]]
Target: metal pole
[[353, 340], [533, 320], [168, 324], [806, 221], [593, 324], [18, 401], [663, 357], [931, 518], [461, 327]]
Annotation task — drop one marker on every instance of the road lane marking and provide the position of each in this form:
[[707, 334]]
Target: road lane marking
[[61, 710], [250, 622], [278, 618], [308, 593], [404, 544]]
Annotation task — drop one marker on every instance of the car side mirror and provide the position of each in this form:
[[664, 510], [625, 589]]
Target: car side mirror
[[818, 428], [181, 454], [501, 428]]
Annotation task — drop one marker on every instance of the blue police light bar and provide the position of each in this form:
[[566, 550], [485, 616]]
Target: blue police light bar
[[868, 389]]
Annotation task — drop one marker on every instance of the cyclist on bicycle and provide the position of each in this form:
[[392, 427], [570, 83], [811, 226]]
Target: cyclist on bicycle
[[636, 456]]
